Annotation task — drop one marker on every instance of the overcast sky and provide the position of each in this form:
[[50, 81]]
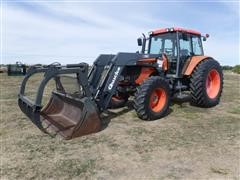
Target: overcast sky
[[71, 31]]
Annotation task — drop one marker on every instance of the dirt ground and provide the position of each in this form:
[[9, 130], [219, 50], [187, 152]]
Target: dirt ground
[[190, 143]]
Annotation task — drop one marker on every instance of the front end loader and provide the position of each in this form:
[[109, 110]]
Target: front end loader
[[172, 66]]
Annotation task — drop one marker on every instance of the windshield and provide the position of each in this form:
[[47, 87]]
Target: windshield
[[163, 43]]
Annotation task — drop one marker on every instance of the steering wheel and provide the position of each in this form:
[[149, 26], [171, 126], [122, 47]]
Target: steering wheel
[[168, 51]]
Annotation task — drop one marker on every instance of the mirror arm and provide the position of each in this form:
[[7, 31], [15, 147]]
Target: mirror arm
[[205, 37], [144, 43]]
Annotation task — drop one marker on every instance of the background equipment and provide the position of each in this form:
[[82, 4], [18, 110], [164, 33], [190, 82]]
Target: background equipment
[[17, 69]]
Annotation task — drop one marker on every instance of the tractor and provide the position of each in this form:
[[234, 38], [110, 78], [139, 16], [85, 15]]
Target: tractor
[[171, 64]]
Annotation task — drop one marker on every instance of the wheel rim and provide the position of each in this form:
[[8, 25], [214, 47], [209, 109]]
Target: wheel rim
[[116, 98], [213, 83], [158, 100]]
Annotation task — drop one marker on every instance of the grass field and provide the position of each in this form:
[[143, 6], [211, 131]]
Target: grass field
[[190, 143]]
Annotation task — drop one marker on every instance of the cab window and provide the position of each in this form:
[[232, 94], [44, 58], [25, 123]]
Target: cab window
[[168, 47], [156, 45], [197, 45], [163, 43], [185, 44]]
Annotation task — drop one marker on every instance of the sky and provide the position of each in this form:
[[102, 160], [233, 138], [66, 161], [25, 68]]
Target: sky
[[72, 31]]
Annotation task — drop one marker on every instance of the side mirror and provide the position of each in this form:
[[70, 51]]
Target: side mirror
[[139, 41], [205, 37]]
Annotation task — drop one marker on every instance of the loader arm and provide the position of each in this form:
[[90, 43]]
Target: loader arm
[[114, 68]]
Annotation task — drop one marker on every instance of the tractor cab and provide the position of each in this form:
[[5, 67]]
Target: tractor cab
[[176, 44]]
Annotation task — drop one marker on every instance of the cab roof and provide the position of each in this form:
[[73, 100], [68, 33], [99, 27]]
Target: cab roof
[[174, 29]]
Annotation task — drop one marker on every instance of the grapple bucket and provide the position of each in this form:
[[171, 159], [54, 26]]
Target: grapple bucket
[[65, 114]]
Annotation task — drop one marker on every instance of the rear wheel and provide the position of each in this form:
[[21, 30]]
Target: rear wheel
[[152, 99], [206, 84]]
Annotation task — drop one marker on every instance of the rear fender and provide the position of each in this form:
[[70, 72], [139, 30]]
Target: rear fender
[[192, 63]]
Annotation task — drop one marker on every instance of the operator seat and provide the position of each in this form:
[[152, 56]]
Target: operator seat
[[184, 52]]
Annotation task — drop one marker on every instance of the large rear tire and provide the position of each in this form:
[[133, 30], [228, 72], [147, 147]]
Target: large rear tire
[[206, 84], [152, 99]]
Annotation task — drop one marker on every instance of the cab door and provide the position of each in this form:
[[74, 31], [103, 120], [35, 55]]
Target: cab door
[[189, 45]]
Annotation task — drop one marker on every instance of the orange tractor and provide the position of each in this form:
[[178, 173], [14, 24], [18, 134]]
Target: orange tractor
[[171, 64]]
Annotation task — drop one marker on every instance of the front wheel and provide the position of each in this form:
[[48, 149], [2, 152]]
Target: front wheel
[[152, 98]]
